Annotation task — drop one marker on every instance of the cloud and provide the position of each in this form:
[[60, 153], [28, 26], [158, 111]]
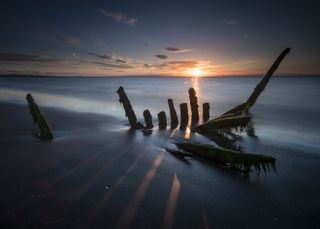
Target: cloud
[[16, 57], [177, 65], [108, 57], [63, 38], [177, 50], [121, 61], [161, 56], [119, 17], [232, 22], [108, 65], [251, 61], [114, 57]]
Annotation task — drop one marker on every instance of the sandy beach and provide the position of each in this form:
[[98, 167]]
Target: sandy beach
[[98, 174]]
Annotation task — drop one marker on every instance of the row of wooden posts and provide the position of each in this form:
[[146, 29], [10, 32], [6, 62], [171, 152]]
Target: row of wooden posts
[[162, 118]]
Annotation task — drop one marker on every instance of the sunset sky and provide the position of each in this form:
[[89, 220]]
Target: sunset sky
[[171, 38]]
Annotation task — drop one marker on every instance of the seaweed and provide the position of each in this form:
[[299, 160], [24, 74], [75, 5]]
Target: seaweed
[[227, 122], [235, 159]]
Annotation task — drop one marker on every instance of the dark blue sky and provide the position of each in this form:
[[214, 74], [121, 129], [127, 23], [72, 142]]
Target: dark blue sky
[[157, 37]]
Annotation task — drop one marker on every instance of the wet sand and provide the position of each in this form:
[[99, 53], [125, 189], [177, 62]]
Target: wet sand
[[97, 174]]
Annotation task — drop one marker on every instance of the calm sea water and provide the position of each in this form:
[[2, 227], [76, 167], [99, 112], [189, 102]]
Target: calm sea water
[[286, 113]]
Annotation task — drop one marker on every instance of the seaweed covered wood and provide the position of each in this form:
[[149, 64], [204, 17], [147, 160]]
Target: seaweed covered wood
[[228, 122], [244, 107], [205, 111], [173, 114], [148, 119], [194, 105], [124, 100], [39, 120], [162, 119], [240, 161], [184, 116]]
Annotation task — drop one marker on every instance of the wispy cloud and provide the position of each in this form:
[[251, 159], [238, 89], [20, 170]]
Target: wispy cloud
[[114, 57], [17, 57], [119, 17], [251, 61], [64, 38], [177, 50], [232, 22], [112, 66], [161, 56], [178, 65], [108, 57]]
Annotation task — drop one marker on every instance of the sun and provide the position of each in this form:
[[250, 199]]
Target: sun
[[196, 72]]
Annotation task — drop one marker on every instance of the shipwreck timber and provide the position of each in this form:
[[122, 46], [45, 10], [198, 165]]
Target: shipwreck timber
[[240, 161], [39, 120], [184, 116], [162, 120], [124, 100], [205, 112], [148, 119], [173, 114], [220, 128], [194, 105], [244, 107]]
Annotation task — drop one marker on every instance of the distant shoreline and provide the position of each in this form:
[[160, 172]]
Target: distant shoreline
[[155, 76]]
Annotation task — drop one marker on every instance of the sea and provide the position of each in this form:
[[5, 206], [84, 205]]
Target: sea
[[286, 113]]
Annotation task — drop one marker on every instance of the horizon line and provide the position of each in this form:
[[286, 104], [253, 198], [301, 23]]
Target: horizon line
[[156, 76]]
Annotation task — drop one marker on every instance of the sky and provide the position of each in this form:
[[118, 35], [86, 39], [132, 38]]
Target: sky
[[158, 38]]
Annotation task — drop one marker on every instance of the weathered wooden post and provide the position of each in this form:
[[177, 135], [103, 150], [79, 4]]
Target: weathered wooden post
[[127, 108], [206, 111], [244, 107], [39, 120], [148, 119], [184, 117], [162, 120], [173, 114], [194, 105]]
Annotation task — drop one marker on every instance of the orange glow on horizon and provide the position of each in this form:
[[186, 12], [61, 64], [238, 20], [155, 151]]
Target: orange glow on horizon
[[196, 72]]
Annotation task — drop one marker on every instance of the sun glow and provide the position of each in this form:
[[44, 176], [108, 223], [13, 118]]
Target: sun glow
[[196, 72]]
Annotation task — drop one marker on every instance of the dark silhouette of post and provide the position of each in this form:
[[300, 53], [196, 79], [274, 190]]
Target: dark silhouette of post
[[162, 120], [205, 111], [244, 107], [148, 119], [123, 99], [194, 105], [173, 114], [39, 119], [263, 83], [184, 117]]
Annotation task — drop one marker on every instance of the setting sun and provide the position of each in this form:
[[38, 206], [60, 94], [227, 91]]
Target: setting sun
[[196, 72]]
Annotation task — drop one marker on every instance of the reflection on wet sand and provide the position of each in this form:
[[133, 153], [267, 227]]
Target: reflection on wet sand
[[92, 213], [98, 174], [132, 208], [172, 203]]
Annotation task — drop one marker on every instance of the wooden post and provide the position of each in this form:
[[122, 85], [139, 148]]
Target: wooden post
[[194, 105], [244, 107], [148, 119], [206, 111], [127, 108], [173, 114], [184, 117], [39, 120], [162, 120]]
